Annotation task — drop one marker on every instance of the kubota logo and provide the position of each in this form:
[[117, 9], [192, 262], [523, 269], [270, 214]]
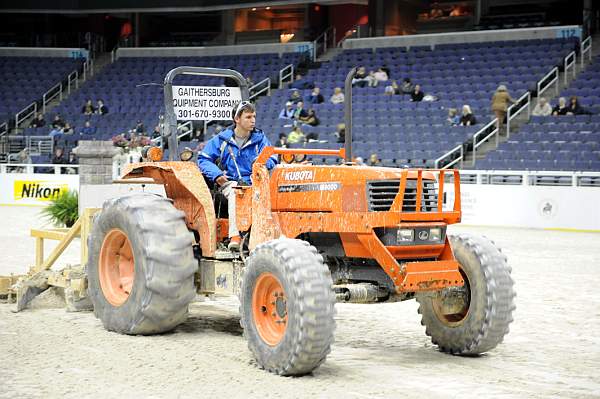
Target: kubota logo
[[299, 175], [38, 189]]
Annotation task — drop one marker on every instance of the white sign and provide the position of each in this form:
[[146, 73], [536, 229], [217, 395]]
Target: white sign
[[205, 103], [34, 189]]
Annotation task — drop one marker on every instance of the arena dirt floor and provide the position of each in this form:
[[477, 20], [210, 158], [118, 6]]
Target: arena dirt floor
[[381, 351]]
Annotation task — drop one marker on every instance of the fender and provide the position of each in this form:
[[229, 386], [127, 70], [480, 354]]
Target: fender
[[185, 185]]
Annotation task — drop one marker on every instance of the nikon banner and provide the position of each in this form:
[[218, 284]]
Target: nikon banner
[[34, 189]]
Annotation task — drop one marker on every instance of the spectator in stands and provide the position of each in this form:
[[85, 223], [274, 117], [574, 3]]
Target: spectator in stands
[[88, 129], [72, 161], [198, 133], [392, 89], [23, 156], [310, 119], [467, 118], [542, 108], [340, 132], [38, 121], [101, 109], [300, 112], [58, 122], [453, 118], [59, 156], [338, 96], [374, 160], [296, 135], [56, 131], [287, 112], [417, 94], [156, 132], [295, 97], [139, 127], [361, 78], [88, 108], [385, 69], [500, 101], [359, 161], [301, 84], [377, 77], [282, 142], [68, 129], [315, 97], [406, 88], [436, 11], [561, 108], [575, 108]]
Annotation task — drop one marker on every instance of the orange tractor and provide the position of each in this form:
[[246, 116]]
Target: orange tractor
[[312, 235]]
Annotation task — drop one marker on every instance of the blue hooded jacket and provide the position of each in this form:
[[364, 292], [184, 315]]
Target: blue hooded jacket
[[244, 157]]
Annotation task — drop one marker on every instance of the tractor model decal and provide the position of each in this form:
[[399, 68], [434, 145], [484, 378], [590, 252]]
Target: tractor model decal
[[295, 188]]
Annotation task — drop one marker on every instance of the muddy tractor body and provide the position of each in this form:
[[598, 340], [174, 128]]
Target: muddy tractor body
[[311, 236]]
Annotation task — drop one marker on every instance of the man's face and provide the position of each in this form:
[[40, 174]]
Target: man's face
[[300, 105], [246, 120]]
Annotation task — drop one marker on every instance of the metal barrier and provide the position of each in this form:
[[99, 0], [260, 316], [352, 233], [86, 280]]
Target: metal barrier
[[569, 63], [522, 103], [490, 130], [73, 77], [544, 83], [256, 90], [51, 94], [324, 41], [56, 169], [3, 129], [286, 73], [25, 113], [455, 156], [586, 49], [530, 178]]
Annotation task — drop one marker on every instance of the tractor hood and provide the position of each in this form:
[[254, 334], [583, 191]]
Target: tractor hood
[[347, 188]]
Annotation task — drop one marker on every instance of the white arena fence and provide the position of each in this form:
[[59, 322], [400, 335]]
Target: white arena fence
[[551, 200]]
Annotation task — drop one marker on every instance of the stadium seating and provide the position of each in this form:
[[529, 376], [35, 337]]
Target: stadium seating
[[403, 132], [132, 88], [26, 79], [570, 142]]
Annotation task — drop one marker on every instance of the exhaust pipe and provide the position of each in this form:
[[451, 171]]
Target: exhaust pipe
[[356, 293], [348, 114]]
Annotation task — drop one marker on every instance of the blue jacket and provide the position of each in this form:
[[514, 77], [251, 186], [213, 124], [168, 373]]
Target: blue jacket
[[244, 157]]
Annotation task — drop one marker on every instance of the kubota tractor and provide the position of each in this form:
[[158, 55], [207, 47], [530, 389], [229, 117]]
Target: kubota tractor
[[312, 235]]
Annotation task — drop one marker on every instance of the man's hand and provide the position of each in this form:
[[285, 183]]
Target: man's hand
[[221, 180]]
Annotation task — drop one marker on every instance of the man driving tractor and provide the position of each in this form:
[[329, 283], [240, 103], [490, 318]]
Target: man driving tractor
[[227, 159]]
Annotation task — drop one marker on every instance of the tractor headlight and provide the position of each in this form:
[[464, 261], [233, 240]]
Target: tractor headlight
[[435, 234], [406, 235]]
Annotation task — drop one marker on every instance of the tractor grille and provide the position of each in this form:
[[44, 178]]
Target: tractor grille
[[381, 194]]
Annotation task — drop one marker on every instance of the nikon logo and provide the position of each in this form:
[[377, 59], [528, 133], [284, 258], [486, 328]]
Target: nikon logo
[[38, 190]]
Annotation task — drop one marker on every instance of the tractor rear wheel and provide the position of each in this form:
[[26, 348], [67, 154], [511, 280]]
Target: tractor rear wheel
[[140, 265], [474, 318], [287, 307]]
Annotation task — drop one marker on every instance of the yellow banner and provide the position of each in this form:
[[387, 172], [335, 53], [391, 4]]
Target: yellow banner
[[39, 190]]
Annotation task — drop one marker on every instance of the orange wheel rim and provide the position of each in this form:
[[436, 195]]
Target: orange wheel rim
[[269, 308], [116, 267], [457, 318]]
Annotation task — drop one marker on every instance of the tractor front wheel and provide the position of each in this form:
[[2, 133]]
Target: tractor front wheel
[[140, 265], [472, 319], [287, 307]]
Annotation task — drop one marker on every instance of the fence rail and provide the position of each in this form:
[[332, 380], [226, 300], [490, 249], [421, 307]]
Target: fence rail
[[324, 41], [586, 49], [551, 78], [523, 103], [48, 168], [490, 131], [569, 63], [286, 74], [51, 94]]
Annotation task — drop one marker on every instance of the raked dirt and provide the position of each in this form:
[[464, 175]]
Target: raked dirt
[[381, 351]]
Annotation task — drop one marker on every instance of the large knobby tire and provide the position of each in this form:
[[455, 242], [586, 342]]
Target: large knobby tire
[[483, 322], [287, 307], [140, 265]]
